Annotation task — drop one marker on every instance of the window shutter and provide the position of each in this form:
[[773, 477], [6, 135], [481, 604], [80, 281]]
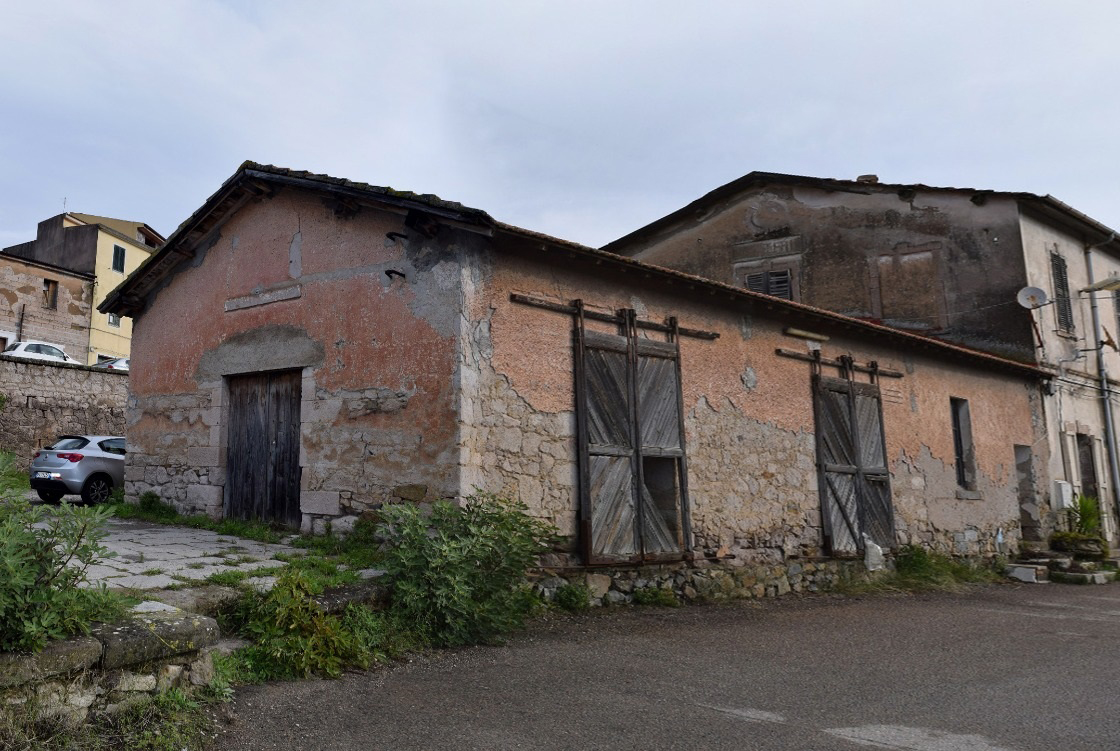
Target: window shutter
[[1062, 305], [779, 284], [757, 282]]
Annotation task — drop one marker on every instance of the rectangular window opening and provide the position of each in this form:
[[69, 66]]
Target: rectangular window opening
[[50, 294], [114, 320], [663, 495], [118, 258], [964, 453]]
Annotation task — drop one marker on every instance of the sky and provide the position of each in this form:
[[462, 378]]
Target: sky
[[581, 119]]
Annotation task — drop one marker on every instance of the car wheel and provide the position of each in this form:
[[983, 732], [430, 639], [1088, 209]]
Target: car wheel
[[97, 489], [50, 496]]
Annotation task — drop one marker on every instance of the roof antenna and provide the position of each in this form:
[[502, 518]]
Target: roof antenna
[[64, 204]]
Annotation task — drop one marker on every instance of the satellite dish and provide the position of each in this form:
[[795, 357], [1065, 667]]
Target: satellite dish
[[1031, 297]]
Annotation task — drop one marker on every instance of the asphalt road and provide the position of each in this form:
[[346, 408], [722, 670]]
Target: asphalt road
[[1004, 668]]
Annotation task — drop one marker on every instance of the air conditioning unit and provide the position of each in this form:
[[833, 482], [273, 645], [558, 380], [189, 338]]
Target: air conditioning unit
[[1063, 494]]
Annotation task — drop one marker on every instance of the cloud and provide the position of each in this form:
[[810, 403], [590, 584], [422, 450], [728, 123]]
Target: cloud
[[580, 119]]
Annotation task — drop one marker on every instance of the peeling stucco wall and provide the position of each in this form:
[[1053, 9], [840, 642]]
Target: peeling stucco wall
[[364, 309], [749, 421], [21, 297], [926, 260]]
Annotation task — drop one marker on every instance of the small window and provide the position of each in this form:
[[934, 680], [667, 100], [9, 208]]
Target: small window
[[776, 283], [50, 294], [1063, 307], [964, 453], [46, 349], [118, 258], [114, 320], [113, 446]]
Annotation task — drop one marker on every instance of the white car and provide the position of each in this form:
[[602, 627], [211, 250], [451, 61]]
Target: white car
[[32, 350], [121, 363]]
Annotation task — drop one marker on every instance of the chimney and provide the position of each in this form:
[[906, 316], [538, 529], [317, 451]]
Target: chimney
[[872, 179]]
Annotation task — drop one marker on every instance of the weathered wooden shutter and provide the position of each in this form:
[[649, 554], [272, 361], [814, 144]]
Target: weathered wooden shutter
[[1063, 307], [633, 483], [776, 283], [855, 482]]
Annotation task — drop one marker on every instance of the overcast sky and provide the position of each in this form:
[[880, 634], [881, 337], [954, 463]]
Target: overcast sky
[[584, 120]]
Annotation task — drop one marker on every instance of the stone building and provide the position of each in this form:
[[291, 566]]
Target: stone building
[[350, 345], [948, 263], [44, 302], [99, 250]]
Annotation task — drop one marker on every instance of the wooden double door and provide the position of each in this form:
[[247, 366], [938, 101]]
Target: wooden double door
[[263, 472], [852, 459]]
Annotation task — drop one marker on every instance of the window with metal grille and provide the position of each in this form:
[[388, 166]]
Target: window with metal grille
[[1063, 307], [118, 258], [776, 283]]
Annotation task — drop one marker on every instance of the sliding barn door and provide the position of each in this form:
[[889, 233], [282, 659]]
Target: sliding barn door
[[855, 482], [632, 448], [262, 467]]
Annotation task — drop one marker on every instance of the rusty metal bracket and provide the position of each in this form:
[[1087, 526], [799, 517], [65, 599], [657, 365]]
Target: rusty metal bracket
[[619, 319], [851, 367]]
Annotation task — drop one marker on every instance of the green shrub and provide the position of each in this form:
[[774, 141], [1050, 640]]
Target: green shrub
[[459, 574], [656, 596], [13, 474], [43, 562], [919, 568], [572, 597], [1085, 516], [293, 637]]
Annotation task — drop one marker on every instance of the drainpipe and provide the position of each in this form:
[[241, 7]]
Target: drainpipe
[[1102, 377]]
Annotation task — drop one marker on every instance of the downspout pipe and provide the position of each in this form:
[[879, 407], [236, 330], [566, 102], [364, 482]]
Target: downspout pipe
[[1102, 377]]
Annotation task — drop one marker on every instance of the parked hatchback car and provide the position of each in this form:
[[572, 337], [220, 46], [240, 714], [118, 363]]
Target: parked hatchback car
[[32, 350], [91, 465], [121, 363]]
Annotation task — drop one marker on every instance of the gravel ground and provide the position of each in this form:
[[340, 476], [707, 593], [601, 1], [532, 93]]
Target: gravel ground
[[1003, 668]]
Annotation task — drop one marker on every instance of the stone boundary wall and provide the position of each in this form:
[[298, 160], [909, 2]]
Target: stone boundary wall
[[116, 665], [698, 581], [42, 400]]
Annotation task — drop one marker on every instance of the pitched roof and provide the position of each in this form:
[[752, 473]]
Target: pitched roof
[[123, 227], [1046, 205], [254, 180]]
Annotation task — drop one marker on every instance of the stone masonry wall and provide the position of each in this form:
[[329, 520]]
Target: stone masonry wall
[[40, 401]]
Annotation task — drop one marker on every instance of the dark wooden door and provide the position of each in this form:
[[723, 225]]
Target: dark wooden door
[[855, 483], [1088, 467], [262, 467]]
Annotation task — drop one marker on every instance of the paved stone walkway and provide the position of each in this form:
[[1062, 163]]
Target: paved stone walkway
[[154, 556]]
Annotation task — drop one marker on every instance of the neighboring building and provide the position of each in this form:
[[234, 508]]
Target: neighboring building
[[90, 247], [44, 302], [943, 262], [354, 345]]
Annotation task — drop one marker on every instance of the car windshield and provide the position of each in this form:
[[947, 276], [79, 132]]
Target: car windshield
[[68, 442]]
